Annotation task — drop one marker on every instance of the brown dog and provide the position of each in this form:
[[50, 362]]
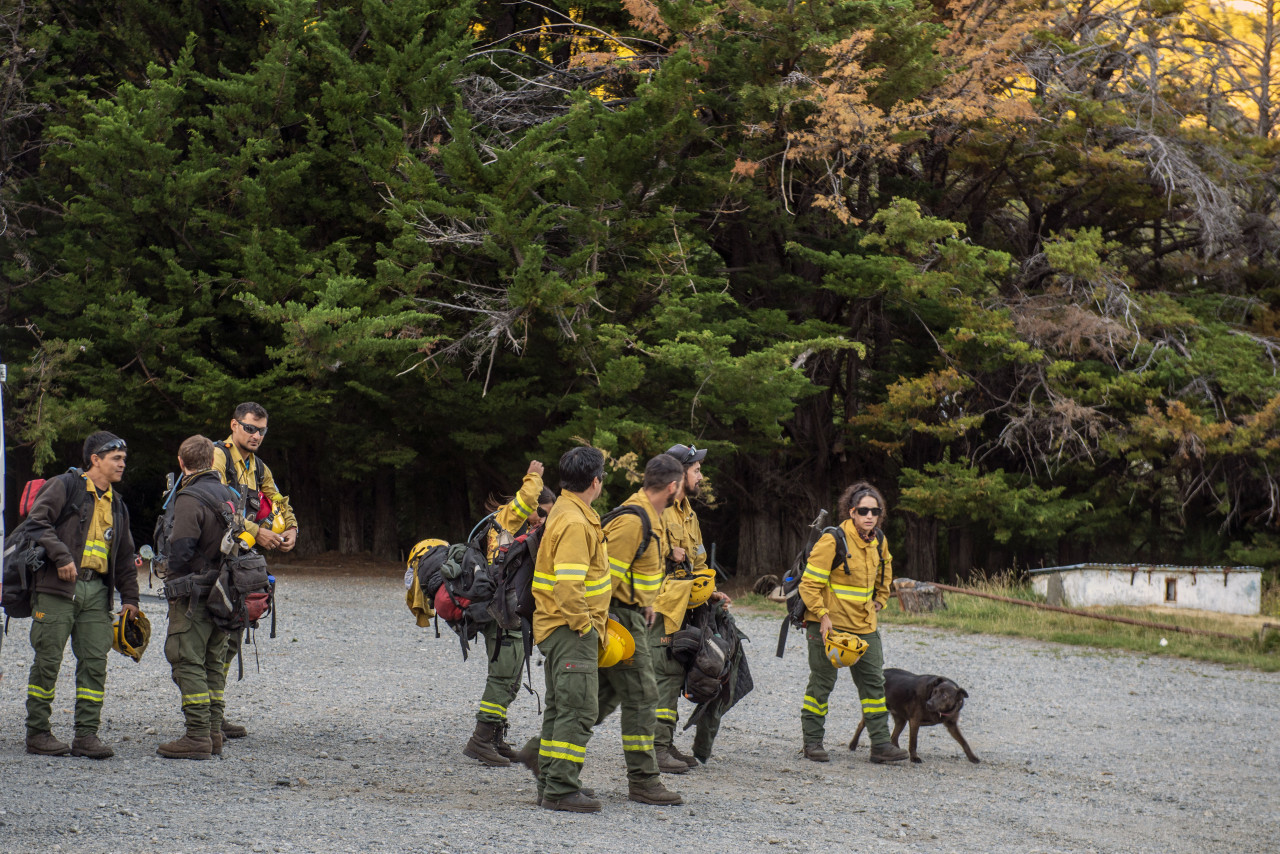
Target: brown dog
[[921, 701]]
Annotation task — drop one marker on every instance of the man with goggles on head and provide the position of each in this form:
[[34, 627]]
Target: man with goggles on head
[[237, 462], [83, 524]]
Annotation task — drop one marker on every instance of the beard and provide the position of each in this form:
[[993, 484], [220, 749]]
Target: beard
[[690, 490]]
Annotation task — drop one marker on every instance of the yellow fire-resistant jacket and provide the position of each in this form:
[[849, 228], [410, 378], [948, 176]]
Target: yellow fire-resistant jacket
[[571, 583], [512, 515], [246, 472], [846, 594], [623, 535], [683, 531]]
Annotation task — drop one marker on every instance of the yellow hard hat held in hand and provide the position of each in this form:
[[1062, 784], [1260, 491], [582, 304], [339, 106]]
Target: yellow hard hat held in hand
[[704, 584], [844, 648], [131, 637], [616, 644]]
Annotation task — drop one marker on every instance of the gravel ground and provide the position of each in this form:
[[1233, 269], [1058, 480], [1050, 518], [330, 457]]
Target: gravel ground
[[358, 717]]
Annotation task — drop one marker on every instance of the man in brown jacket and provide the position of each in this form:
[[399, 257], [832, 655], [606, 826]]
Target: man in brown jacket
[[83, 524], [195, 646]]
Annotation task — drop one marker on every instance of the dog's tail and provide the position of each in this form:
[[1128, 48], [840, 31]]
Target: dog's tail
[[857, 734]]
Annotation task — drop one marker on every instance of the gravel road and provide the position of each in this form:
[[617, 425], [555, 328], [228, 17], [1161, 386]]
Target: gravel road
[[358, 718]]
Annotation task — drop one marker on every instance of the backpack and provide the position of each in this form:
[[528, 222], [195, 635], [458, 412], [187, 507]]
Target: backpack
[[791, 584], [23, 554], [646, 534], [460, 584], [163, 531], [513, 600], [237, 591]]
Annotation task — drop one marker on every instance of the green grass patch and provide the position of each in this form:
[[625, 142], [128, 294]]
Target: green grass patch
[[983, 616]]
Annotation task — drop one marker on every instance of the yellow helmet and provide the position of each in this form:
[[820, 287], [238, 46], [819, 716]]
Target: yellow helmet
[[616, 644], [844, 648], [130, 637], [704, 584]]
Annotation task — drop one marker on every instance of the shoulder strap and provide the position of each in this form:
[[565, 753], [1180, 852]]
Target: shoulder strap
[[842, 547], [880, 549], [75, 497], [646, 534]]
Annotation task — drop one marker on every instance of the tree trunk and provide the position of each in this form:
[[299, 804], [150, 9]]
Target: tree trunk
[[762, 546], [921, 547], [385, 537], [960, 553], [295, 478], [350, 529]]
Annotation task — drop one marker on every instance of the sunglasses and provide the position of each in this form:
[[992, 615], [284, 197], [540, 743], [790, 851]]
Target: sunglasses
[[113, 445], [252, 429], [542, 513], [867, 511], [688, 458]]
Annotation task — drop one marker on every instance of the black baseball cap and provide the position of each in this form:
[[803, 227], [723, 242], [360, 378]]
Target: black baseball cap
[[687, 454]]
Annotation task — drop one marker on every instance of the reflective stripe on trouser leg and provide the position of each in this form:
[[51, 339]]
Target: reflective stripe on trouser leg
[[570, 710], [503, 680], [196, 651], [91, 644], [822, 678], [868, 675], [669, 676], [632, 683]]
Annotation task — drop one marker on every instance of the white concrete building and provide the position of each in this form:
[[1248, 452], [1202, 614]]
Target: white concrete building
[[1227, 589]]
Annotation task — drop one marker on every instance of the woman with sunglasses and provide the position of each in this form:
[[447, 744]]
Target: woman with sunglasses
[[524, 512], [845, 583]]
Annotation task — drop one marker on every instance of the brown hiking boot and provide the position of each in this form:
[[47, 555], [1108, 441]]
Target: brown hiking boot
[[480, 746], [653, 792], [572, 802], [887, 752], [90, 746], [528, 756], [230, 730], [500, 743], [816, 752], [216, 739], [668, 764], [44, 744], [682, 756], [188, 747]]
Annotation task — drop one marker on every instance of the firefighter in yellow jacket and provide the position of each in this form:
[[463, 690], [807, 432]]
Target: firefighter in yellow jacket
[[844, 586], [523, 513], [637, 545], [237, 463], [571, 588]]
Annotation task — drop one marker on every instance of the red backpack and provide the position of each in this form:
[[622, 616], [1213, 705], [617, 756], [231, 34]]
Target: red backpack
[[29, 493]]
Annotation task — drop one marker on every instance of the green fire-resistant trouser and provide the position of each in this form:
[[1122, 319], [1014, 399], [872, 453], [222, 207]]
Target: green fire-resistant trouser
[[868, 676], [503, 682], [86, 619], [669, 676], [630, 684], [197, 649], [570, 710]]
